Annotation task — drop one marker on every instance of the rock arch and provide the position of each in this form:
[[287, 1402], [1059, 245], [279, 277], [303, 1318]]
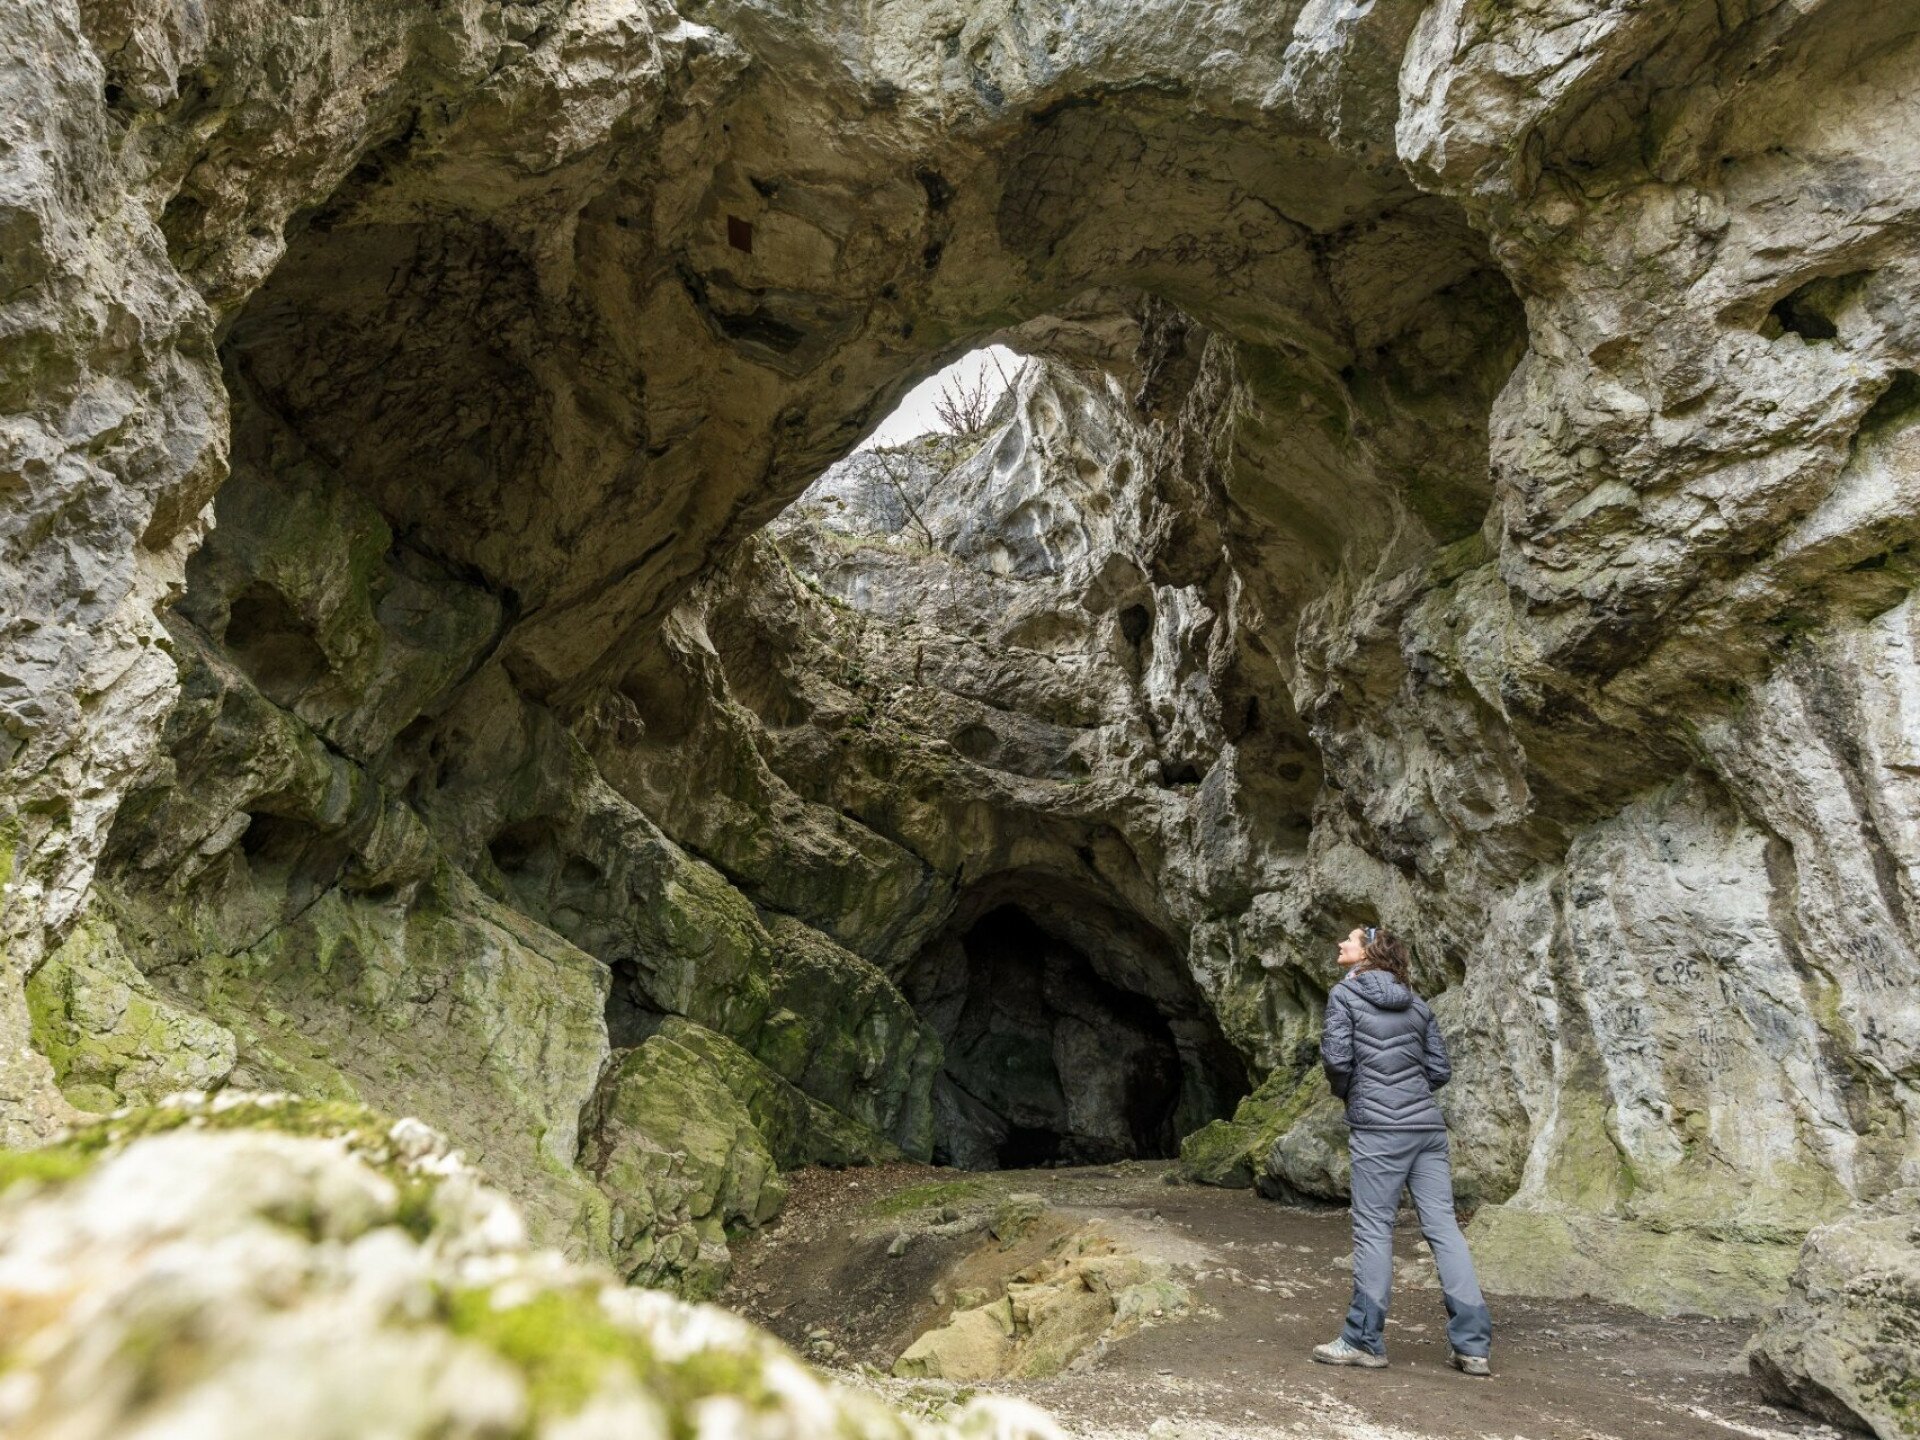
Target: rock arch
[[1531, 437]]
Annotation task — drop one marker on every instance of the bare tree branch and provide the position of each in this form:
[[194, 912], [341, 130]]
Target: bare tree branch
[[895, 472], [1019, 370], [962, 406]]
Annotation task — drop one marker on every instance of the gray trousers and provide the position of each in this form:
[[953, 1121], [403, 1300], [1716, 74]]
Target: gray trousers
[[1383, 1162]]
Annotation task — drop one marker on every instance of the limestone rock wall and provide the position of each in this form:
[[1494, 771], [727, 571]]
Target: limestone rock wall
[[407, 1299], [1506, 426], [158, 157], [949, 682], [364, 866]]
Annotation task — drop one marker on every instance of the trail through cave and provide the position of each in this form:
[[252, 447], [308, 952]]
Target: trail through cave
[[858, 1263]]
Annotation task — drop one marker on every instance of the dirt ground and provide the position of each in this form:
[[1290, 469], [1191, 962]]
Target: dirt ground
[[835, 1277]]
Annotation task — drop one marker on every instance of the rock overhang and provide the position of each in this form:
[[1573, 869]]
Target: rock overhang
[[1498, 631]]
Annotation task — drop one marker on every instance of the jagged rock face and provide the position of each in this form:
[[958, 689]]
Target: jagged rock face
[[1510, 458], [949, 679], [1842, 1345], [198, 1267]]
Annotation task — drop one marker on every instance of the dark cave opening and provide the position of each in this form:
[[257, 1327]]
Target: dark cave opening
[[273, 645], [1072, 1042]]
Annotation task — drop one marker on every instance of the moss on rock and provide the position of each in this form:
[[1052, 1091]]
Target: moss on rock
[[1309, 1158], [1521, 1251], [254, 1258], [798, 1129], [1846, 1344], [1236, 1153], [686, 1135], [450, 1005], [1219, 1153], [682, 1160], [112, 1039], [561, 1340], [405, 1152], [841, 1031]]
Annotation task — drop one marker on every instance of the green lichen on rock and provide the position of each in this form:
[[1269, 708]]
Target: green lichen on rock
[[363, 1132], [722, 981], [254, 1256], [686, 1135], [1219, 1153], [1310, 1158], [1846, 1343], [560, 1339], [47, 1165], [112, 1038], [798, 1129], [331, 618], [842, 1032], [1523, 1251], [449, 1005], [1235, 1153], [656, 1365], [1059, 1321], [682, 1160]]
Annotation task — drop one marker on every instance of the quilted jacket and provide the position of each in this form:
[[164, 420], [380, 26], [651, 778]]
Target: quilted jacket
[[1383, 1054]]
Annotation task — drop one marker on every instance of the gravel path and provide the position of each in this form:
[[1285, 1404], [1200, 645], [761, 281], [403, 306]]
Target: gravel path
[[835, 1277]]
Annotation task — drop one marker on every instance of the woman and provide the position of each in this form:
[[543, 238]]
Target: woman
[[1384, 1056]]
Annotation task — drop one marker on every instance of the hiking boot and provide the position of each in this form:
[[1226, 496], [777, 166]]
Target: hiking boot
[[1339, 1352], [1469, 1364]]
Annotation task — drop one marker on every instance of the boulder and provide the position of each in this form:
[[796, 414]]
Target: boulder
[[1089, 1289], [1239, 1152], [680, 1156], [1309, 1159], [840, 1030], [974, 1345], [202, 1265], [1058, 1319], [798, 1129], [1846, 1344]]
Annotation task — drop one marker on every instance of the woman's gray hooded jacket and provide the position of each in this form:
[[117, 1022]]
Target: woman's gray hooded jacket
[[1383, 1054]]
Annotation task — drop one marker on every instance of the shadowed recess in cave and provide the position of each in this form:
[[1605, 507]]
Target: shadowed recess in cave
[[1072, 1039]]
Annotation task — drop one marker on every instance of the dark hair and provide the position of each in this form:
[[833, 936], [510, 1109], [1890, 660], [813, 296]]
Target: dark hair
[[1384, 950]]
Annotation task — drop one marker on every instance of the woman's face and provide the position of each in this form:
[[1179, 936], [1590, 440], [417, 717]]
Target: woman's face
[[1353, 949]]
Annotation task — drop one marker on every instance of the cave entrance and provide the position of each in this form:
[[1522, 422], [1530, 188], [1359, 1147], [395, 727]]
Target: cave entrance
[[957, 400], [1072, 1037]]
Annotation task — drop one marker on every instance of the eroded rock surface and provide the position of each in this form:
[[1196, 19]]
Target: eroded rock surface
[[1471, 485], [192, 1269], [1090, 1289], [1846, 1345]]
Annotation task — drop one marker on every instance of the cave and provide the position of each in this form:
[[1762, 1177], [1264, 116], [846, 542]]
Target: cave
[[1069, 1036], [1455, 481]]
